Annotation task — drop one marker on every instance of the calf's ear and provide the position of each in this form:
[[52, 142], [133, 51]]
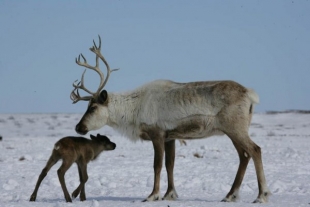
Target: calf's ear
[[92, 136], [103, 97]]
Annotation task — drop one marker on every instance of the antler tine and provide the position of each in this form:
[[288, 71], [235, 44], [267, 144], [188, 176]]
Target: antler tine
[[108, 75], [98, 48], [78, 61], [75, 97], [82, 57], [80, 85]]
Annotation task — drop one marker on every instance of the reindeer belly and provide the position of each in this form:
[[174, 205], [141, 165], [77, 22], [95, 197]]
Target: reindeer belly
[[190, 127], [193, 127]]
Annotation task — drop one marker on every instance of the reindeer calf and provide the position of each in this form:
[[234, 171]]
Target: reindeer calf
[[70, 150]]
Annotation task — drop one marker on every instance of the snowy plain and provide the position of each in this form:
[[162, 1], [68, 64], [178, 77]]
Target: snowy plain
[[204, 169]]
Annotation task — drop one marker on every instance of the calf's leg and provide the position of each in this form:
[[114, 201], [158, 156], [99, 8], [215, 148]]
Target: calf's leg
[[61, 176], [52, 161]]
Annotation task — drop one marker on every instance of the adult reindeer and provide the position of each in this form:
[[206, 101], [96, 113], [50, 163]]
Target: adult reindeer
[[162, 111]]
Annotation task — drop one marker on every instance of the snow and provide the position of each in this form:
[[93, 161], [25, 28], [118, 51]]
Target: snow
[[124, 177]]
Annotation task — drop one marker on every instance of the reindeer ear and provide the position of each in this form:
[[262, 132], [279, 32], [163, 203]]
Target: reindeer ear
[[92, 136], [103, 97]]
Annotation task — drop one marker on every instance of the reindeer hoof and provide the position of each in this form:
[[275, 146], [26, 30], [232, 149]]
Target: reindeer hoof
[[32, 198], [172, 195], [68, 199], [82, 198], [154, 197], [263, 198], [75, 194], [260, 200], [230, 198]]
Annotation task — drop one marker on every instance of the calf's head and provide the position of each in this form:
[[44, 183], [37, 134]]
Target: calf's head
[[104, 142]]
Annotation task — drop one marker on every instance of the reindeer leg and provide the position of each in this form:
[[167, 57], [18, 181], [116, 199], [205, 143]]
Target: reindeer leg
[[264, 193], [171, 193], [244, 157], [61, 176], [254, 151], [77, 191], [158, 144], [44, 172]]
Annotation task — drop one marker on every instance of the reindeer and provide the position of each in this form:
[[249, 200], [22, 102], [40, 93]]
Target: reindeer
[[163, 111], [70, 150]]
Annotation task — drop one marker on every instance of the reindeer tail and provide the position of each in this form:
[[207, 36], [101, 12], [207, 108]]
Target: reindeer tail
[[253, 96]]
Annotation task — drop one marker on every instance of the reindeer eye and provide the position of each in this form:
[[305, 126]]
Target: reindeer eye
[[92, 109]]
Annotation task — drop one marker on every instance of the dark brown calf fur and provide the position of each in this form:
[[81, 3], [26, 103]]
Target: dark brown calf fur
[[74, 149]]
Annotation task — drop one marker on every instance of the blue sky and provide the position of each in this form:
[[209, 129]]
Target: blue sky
[[264, 45]]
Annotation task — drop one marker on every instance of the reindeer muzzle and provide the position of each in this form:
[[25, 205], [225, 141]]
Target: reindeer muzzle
[[81, 129]]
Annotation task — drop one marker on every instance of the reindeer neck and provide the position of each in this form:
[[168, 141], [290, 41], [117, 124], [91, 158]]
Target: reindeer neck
[[123, 108]]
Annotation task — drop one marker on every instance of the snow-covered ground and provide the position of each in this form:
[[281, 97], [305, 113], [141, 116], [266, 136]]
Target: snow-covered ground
[[124, 177]]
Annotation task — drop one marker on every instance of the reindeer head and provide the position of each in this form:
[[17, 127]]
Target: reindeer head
[[97, 114]]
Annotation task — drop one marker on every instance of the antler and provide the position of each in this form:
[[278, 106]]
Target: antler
[[75, 96]]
